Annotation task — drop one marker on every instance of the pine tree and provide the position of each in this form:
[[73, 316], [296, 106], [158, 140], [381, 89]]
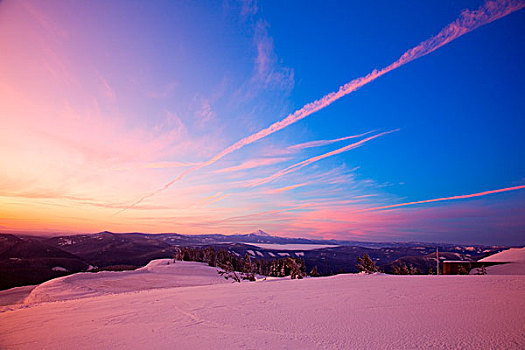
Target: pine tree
[[401, 269], [314, 272], [178, 254], [365, 264], [248, 269], [294, 267]]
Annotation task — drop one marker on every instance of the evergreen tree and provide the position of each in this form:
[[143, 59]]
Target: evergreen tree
[[238, 268], [401, 269], [314, 272], [294, 267], [365, 264]]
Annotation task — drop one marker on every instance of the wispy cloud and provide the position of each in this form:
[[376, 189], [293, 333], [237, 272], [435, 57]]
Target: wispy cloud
[[248, 8], [267, 71], [106, 89], [53, 195], [44, 21], [162, 165], [265, 213], [252, 163], [287, 188], [325, 142], [214, 200], [209, 199], [479, 194], [467, 22], [309, 161], [204, 112]]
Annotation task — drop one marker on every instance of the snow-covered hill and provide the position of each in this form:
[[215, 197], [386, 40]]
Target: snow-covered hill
[[161, 273], [513, 260], [509, 255], [338, 312]]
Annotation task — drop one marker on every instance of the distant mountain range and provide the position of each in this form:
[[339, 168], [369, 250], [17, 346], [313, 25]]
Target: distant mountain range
[[33, 259]]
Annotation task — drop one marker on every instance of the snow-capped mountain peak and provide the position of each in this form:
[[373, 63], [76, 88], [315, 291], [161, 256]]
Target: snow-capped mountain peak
[[260, 233]]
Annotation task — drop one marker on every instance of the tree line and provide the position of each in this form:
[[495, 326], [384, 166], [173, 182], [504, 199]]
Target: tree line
[[240, 268], [367, 265]]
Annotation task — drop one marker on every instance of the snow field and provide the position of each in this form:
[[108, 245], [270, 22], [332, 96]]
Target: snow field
[[337, 312]]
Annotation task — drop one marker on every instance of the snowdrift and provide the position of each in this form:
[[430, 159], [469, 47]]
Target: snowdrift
[[509, 255], [513, 259], [161, 273]]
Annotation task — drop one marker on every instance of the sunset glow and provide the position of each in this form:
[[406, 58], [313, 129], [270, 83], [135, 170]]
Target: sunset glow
[[200, 118]]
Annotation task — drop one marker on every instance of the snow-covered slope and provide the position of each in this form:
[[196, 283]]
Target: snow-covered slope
[[338, 312], [509, 255], [162, 273], [514, 259]]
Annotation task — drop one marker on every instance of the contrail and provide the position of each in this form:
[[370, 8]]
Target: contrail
[[218, 198], [308, 161], [288, 188], [467, 21], [326, 142], [271, 212], [479, 194]]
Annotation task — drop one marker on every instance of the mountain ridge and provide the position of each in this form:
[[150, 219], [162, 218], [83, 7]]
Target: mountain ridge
[[49, 257]]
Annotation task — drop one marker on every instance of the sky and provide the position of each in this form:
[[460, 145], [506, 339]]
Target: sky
[[371, 121]]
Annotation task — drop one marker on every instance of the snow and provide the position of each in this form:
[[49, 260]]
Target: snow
[[299, 253], [251, 252], [59, 268], [275, 246], [509, 255], [343, 312], [514, 259], [513, 262], [506, 269], [14, 295], [161, 273], [259, 253], [283, 254], [65, 241]]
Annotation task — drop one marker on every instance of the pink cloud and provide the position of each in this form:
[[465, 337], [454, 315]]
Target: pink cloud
[[287, 188], [44, 20], [325, 142], [252, 163], [267, 71], [479, 194], [107, 90], [167, 164], [309, 161]]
